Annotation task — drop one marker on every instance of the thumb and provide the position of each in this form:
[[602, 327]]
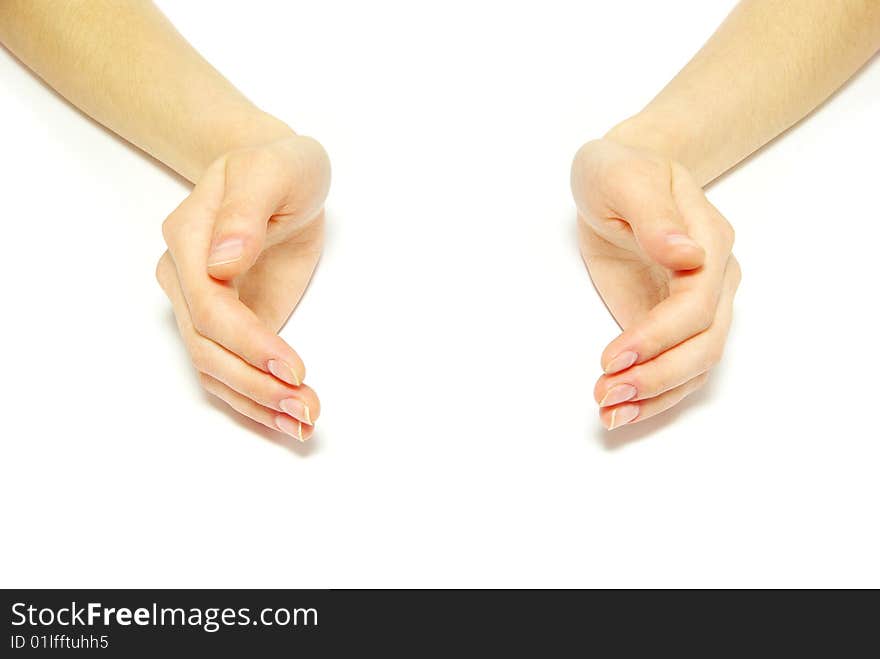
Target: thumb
[[614, 182], [251, 197], [659, 228], [643, 196], [668, 244]]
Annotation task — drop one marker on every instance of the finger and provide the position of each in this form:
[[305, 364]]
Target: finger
[[300, 402], [212, 359], [640, 193], [231, 324], [214, 307], [255, 186], [292, 262], [690, 307], [627, 413], [269, 418], [676, 366]]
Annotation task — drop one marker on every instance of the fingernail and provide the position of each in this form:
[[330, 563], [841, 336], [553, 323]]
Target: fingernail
[[290, 427], [681, 239], [283, 371], [617, 394], [624, 360], [226, 251], [622, 415], [297, 409]]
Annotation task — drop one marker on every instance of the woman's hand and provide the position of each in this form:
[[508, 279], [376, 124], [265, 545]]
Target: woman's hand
[[660, 256], [241, 250]]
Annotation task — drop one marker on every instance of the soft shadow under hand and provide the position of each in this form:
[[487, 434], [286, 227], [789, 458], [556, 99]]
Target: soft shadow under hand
[[617, 439], [300, 449]]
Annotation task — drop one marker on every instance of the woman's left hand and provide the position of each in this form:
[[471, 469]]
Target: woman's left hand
[[241, 250]]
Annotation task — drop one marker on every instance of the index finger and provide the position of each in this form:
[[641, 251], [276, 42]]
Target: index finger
[[215, 309], [690, 308]]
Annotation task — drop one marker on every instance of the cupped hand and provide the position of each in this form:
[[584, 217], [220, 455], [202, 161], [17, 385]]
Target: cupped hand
[[660, 256], [241, 250]]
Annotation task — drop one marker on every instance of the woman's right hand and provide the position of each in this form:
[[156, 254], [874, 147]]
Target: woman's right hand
[[660, 256], [241, 250]]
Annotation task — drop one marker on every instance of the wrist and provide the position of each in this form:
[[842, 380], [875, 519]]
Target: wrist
[[236, 128], [666, 137]]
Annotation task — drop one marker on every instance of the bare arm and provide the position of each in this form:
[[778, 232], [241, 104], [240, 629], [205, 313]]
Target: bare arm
[[658, 252], [257, 202], [767, 66], [123, 63]]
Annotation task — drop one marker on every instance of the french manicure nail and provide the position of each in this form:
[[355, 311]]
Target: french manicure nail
[[622, 415], [297, 409], [290, 426], [619, 393], [283, 371], [226, 251], [624, 360], [681, 239]]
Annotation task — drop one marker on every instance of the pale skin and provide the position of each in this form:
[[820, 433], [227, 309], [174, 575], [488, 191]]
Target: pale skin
[[658, 252], [243, 245]]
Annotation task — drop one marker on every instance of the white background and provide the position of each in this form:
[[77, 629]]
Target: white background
[[451, 329]]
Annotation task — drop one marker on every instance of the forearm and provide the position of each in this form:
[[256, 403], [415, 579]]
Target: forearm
[[123, 63], [768, 65]]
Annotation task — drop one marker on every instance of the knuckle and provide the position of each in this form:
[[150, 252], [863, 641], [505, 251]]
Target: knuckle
[[232, 212], [170, 227], [700, 381], [582, 165], [310, 166], [639, 381], [583, 156], [649, 343], [163, 271], [255, 390], [703, 314], [651, 381], [726, 230], [600, 388], [198, 355], [713, 356], [315, 152], [735, 271], [204, 317], [648, 346], [647, 384]]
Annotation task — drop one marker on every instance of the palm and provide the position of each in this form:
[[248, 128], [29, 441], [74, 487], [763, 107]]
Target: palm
[[274, 285], [241, 250], [659, 255], [629, 284]]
